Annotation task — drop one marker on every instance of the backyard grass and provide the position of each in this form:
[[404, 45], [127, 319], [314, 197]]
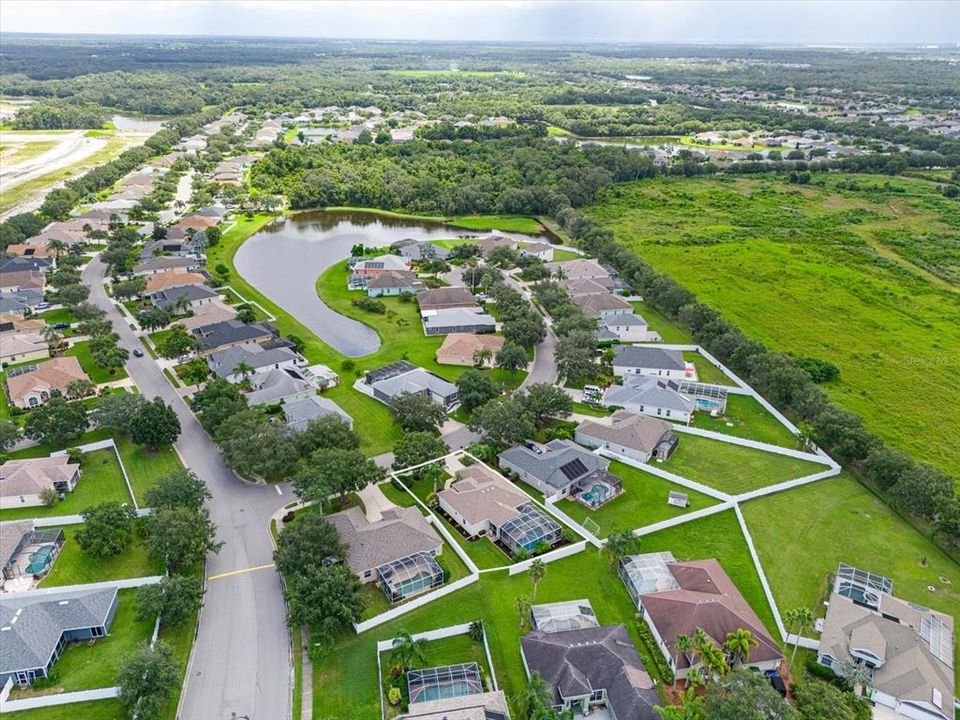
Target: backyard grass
[[707, 372], [93, 710], [746, 418], [97, 374], [591, 410], [85, 666], [344, 686], [101, 480], [144, 466], [75, 567], [669, 331], [804, 534], [565, 255], [59, 315], [733, 469], [643, 502], [866, 279], [504, 223]]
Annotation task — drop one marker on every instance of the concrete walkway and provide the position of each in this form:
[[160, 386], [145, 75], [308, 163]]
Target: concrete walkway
[[375, 503]]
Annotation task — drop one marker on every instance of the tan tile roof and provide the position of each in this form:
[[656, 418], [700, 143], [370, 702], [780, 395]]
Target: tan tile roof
[[39, 249], [639, 432], [595, 304], [208, 314], [480, 494], [22, 279], [445, 296], [34, 475], [464, 345], [22, 343], [172, 279], [200, 222], [53, 374]]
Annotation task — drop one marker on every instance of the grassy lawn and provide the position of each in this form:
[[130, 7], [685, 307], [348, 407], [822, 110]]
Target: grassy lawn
[[44, 450], [143, 466], [669, 332], [97, 374], [746, 418], [505, 223], [74, 567], [100, 481], [95, 710], [59, 315], [866, 279], [733, 469], [344, 686], [87, 666], [643, 502], [438, 653], [565, 255], [707, 372], [802, 536], [594, 411]]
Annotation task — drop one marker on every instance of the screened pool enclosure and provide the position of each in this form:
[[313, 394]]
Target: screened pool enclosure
[[443, 683], [528, 529], [408, 576]]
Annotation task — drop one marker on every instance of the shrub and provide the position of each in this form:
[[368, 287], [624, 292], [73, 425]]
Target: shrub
[[541, 547], [520, 554], [74, 455], [443, 566], [476, 630], [347, 365], [394, 695], [653, 653], [369, 304], [49, 497]]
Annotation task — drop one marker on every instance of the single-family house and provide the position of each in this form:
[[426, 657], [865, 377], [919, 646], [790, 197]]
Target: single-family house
[[393, 283], [490, 243], [562, 468], [624, 327], [197, 221], [537, 250], [591, 667], [158, 264], [23, 347], [224, 363], [12, 281], [446, 298], [677, 598], [299, 413], [586, 286], [26, 553], [23, 482], [457, 320], [398, 551], [368, 267], [172, 279], [193, 296], [463, 706], [602, 305], [419, 250], [651, 361], [906, 649], [30, 263], [13, 324], [31, 250], [463, 349], [635, 436], [32, 385], [391, 381], [650, 396], [209, 314], [579, 269], [228, 333], [278, 385], [36, 627]]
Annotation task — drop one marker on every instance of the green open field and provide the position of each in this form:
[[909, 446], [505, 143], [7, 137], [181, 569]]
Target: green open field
[[733, 469], [643, 502], [866, 279], [14, 153], [100, 481], [75, 567], [669, 331], [804, 534], [505, 223], [746, 418]]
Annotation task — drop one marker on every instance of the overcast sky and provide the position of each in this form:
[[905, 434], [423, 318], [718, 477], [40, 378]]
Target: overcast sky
[[785, 21]]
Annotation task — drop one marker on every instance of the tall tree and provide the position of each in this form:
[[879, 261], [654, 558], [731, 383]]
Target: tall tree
[[334, 471], [107, 529], [175, 600], [56, 422], [146, 680], [417, 447], [156, 425], [505, 420], [544, 401], [537, 572], [739, 644], [475, 388], [180, 537], [418, 412], [797, 620], [179, 488], [408, 650]]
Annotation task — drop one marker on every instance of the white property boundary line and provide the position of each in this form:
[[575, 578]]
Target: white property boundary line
[[243, 301], [438, 634]]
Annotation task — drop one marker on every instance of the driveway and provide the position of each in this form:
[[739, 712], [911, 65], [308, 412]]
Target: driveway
[[241, 664]]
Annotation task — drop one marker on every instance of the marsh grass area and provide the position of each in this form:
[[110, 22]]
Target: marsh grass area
[[868, 279]]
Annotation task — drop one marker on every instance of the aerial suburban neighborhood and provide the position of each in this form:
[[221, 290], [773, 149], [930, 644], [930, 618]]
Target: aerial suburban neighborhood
[[350, 377]]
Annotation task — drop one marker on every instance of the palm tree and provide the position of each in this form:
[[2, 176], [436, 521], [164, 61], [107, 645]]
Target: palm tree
[[482, 356], [51, 335], [689, 707], [559, 273], [181, 304], [683, 645], [537, 570], [523, 609], [738, 644], [406, 649], [621, 543], [243, 369], [536, 698], [58, 246], [797, 619], [714, 661]]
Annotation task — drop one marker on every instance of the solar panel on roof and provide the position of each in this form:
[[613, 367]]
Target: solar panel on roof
[[573, 469]]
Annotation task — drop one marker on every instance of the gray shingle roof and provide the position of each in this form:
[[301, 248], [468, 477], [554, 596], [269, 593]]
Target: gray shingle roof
[[647, 391], [553, 466], [399, 534], [577, 662], [224, 362], [164, 263], [414, 381], [229, 332], [167, 298], [31, 625], [299, 413], [639, 356], [11, 533]]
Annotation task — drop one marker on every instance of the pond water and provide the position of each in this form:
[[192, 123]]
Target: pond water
[[284, 259], [139, 124]]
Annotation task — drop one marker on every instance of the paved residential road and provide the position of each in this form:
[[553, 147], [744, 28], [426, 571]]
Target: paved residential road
[[241, 665]]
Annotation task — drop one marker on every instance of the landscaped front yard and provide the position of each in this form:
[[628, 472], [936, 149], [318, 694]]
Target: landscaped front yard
[[75, 567], [97, 374], [731, 468], [101, 480], [642, 502]]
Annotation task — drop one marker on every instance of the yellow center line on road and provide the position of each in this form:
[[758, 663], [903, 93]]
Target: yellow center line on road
[[240, 572]]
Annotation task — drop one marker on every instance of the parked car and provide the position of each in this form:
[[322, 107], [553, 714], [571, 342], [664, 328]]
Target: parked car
[[42, 306], [137, 352], [61, 326]]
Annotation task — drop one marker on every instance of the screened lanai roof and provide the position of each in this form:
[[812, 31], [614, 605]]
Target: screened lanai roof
[[648, 573], [529, 528], [861, 586], [400, 575], [556, 617], [442, 683]]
